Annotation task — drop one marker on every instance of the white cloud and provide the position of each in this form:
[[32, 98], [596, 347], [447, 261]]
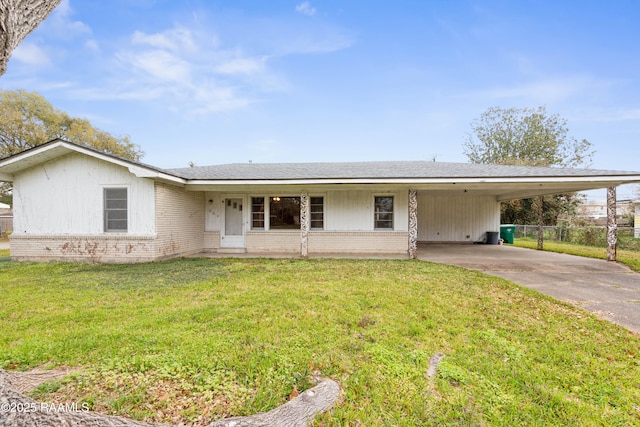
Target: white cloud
[[190, 69], [306, 9], [187, 67], [31, 54], [176, 40], [158, 65], [241, 66], [92, 45], [61, 24], [215, 99]]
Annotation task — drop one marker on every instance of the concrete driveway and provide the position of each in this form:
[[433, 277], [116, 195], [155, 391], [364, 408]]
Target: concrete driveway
[[607, 289]]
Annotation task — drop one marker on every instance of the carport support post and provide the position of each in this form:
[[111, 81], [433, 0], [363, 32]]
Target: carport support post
[[612, 226], [304, 224], [413, 224], [540, 203]]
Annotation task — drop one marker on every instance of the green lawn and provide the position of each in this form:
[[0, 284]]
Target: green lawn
[[194, 340], [628, 257]]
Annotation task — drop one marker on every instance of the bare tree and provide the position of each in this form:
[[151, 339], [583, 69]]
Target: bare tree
[[17, 19]]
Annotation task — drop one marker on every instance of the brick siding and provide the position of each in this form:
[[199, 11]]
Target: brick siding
[[365, 242], [179, 221], [99, 248]]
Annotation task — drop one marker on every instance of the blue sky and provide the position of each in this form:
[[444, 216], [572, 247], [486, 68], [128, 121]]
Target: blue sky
[[293, 81]]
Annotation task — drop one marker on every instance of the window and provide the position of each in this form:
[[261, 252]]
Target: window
[[257, 213], [115, 210], [284, 213], [383, 213], [316, 209]]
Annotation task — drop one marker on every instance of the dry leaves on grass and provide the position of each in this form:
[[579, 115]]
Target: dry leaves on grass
[[149, 397]]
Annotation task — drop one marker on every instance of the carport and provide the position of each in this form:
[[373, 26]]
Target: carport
[[607, 289], [459, 203]]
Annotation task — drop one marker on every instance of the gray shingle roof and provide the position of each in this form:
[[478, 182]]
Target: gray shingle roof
[[337, 171], [378, 170]]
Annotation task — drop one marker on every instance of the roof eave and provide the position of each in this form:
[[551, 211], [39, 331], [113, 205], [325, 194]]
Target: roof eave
[[613, 179], [58, 148]]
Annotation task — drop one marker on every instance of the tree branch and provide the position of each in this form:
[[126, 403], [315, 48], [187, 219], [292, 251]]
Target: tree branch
[[18, 18]]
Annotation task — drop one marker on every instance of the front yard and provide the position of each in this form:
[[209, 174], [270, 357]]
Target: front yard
[[194, 340], [628, 257]]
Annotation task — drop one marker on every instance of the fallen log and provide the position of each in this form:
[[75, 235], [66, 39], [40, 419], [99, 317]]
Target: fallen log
[[18, 410]]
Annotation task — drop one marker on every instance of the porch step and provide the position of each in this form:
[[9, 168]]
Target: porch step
[[232, 250]]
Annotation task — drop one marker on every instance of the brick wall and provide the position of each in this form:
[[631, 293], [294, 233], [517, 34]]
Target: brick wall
[[273, 241], [179, 221], [326, 242], [106, 248], [211, 241], [366, 242]]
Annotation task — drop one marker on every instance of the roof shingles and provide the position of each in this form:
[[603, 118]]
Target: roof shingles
[[377, 170]]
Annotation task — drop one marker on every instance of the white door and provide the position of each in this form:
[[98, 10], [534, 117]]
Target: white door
[[233, 233]]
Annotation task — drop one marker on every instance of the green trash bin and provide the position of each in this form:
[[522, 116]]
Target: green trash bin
[[507, 233]]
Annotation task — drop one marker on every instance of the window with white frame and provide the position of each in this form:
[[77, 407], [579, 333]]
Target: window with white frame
[[257, 213], [383, 213], [283, 213], [316, 209], [115, 210]]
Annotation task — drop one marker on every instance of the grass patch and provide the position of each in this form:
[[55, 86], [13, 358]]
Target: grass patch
[[628, 257], [194, 340]]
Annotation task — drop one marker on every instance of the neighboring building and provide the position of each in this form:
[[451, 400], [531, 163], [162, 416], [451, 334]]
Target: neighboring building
[[72, 202], [6, 219], [596, 211]]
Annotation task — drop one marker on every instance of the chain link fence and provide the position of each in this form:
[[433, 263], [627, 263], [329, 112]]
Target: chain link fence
[[589, 236]]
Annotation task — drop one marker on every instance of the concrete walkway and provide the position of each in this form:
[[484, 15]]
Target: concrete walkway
[[607, 289], [4, 244]]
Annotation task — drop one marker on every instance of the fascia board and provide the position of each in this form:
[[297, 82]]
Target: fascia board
[[488, 180]]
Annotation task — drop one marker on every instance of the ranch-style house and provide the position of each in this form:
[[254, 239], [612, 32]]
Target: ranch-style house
[[76, 203]]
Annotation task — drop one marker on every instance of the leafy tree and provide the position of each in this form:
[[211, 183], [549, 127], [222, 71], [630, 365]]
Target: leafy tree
[[27, 119], [525, 136], [523, 211], [528, 137]]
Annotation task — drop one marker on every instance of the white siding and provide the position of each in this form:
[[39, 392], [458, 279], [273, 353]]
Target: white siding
[[65, 196], [456, 218], [348, 211], [214, 213], [353, 210]]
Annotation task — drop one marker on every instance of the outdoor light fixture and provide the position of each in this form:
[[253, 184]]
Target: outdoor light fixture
[[275, 199]]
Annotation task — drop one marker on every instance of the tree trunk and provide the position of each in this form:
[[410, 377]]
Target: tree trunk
[[18, 410], [17, 19]]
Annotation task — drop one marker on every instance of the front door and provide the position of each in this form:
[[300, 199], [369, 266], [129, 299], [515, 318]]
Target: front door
[[233, 235]]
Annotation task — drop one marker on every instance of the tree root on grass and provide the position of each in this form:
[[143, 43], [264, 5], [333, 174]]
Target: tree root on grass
[[18, 410]]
